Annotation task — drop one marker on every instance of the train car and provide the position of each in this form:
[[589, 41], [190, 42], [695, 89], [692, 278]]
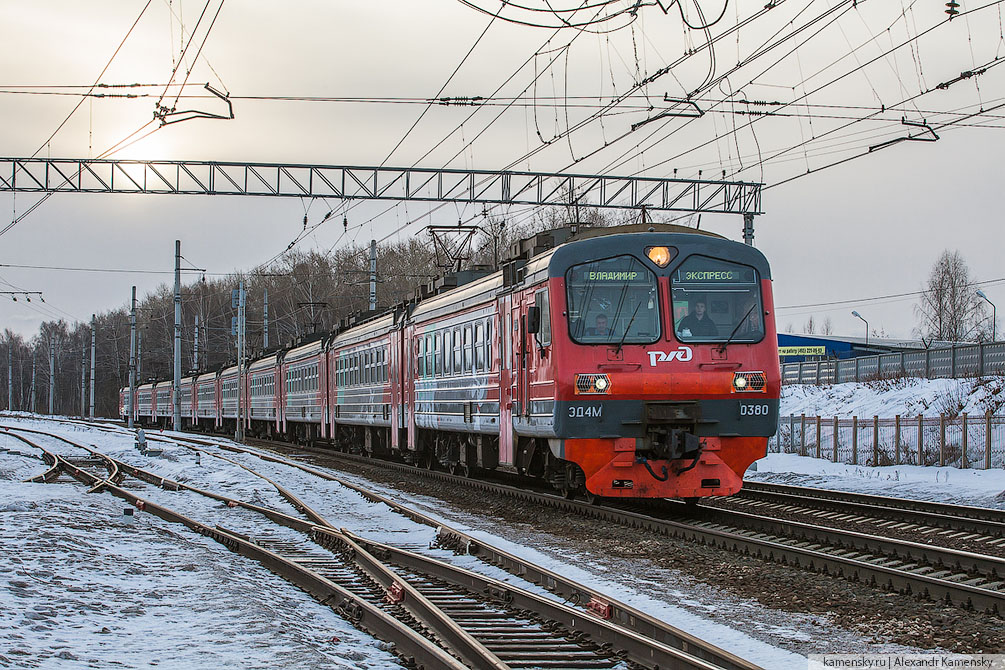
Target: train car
[[207, 415], [163, 406], [263, 404], [629, 363], [637, 361], [452, 379], [358, 403], [188, 402], [144, 403], [227, 399], [305, 378]]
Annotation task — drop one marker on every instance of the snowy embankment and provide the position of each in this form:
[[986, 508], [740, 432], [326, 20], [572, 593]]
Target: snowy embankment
[[87, 590], [886, 399]]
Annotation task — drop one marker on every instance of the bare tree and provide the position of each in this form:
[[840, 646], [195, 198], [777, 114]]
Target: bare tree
[[810, 326], [949, 309], [828, 327]]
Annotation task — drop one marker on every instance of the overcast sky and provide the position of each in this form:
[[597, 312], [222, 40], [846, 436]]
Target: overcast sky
[[838, 77]]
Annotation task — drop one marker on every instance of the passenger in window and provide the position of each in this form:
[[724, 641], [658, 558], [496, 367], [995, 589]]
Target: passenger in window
[[750, 329], [697, 323], [601, 329]]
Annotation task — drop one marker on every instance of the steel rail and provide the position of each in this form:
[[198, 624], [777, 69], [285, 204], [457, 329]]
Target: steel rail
[[414, 647], [991, 567], [626, 615], [980, 520], [675, 652], [436, 621], [639, 649], [850, 567]]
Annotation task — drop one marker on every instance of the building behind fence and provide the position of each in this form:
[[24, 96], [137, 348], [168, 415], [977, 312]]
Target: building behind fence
[[972, 360], [963, 441]]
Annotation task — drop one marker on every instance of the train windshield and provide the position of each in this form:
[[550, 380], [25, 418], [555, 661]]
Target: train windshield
[[613, 301], [715, 300]]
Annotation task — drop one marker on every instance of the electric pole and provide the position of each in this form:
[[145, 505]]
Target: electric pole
[[748, 229], [239, 432], [139, 355], [195, 348], [83, 378], [33, 394], [94, 330], [52, 371], [373, 275], [265, 327], [177, 335], [132, 360], [10, 378]]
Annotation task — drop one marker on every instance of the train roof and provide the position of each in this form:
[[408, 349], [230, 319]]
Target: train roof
[[266, 362], [364, 331], [303, 351]]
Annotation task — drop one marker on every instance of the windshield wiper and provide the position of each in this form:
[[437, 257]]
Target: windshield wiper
[[627, 328], [722, 347]]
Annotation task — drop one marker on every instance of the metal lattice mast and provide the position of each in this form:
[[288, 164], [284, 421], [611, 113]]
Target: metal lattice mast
[[84, 175], [94, 331], [177, 335], [132, 361]]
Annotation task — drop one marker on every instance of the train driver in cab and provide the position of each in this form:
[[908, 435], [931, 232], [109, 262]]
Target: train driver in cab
[[697, 323], [601, 329]]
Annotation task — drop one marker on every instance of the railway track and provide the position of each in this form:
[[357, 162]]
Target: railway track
[[917, 516], [435, 613], [967, 579]]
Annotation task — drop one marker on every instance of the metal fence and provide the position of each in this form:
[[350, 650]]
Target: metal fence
[[971, 360], [962, 442]]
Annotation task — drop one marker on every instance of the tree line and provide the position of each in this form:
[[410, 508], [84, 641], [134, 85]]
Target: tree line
[[308, 292], [311, 292]]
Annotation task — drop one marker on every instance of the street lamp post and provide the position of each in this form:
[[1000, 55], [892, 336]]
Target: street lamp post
[[994, 314], [856, 314]]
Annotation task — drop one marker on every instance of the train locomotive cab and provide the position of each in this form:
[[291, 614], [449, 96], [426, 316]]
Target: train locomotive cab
[[664, 357]]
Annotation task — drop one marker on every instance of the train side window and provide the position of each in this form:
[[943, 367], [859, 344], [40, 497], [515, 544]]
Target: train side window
[[488, 343], [542, 303], [457, 351], [429, 355], [437, 362], [507, 342], [479, 346], [468, 357]]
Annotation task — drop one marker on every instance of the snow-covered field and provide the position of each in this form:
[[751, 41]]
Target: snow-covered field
[[88, 590], [81, 588], [888, 398]]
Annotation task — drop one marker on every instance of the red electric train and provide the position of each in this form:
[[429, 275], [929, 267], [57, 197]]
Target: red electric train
[[635, 361]]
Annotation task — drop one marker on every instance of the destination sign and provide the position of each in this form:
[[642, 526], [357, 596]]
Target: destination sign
[[802, 351], [612, 275], [698, 270]]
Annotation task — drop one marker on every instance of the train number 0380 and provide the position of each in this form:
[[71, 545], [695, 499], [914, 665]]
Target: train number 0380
[[759, 409]]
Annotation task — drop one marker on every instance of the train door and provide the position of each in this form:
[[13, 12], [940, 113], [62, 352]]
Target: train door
[[408, 385], [395, 376], [323, 390], [506, 380]]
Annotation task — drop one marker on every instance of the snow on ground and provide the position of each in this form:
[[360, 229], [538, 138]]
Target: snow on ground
[[196, 599], [981, 488], [148, 587], [889, 397], [79, 588]]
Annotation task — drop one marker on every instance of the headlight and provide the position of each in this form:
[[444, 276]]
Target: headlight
[[659, 255], [593, 384], [749, 382]]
